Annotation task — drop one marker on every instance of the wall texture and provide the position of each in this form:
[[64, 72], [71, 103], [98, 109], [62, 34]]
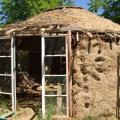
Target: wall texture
[[95, 80]]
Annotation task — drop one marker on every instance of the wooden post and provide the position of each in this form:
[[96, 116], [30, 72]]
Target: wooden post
[[70, 72], [118, 88], [59, 99]]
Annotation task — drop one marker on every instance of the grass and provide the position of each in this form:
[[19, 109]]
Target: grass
[[51, 109], [89, 118], [3, 105], [49, 113]]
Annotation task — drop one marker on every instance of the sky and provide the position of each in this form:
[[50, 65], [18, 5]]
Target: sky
[[82, 3]]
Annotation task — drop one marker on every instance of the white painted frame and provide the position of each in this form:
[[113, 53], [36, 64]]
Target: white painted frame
[[43, 75], [43, 81], [13, 73]]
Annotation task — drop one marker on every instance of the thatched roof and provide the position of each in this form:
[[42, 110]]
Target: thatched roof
[[70, 18]]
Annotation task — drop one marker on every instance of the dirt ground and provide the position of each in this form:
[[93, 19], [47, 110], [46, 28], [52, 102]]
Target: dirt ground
[[24, 114]]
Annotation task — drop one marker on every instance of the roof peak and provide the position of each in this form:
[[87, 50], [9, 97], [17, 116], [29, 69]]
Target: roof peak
[[65, 7]]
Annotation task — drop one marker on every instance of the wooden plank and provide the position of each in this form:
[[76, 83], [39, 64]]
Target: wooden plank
[[54, 35], [70, 72], [27, 35], [4, 37], [118, 81]]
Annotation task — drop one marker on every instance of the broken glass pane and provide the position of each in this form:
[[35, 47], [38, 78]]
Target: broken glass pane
[[5, 65], [5, 84], [55, 65], [55, 105], [5, 47], [54, 45]]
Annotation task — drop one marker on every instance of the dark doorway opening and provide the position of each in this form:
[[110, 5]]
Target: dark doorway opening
[[28, 68]]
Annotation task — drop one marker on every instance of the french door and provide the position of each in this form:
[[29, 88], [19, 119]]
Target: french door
[[55, 99], [7, 74]]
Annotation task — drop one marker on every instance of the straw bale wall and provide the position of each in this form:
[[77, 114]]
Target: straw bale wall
[[95, 80]]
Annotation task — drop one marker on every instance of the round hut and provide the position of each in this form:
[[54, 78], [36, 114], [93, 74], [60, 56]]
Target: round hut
[[92, 60]]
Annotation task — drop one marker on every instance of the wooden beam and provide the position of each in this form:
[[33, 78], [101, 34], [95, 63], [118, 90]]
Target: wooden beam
[[4, 37], [27, 35], [70, 72]]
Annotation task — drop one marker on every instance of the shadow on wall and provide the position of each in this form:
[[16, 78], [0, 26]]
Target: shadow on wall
[[118, 89]]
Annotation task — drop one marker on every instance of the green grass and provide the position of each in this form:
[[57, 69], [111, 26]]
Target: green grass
[[51, 106], [3, 105], [49, 113]]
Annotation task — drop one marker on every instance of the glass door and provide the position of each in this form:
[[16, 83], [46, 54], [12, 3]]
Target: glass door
[[55, 76], [7, 76]]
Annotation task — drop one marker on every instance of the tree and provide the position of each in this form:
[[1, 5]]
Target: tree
[[19, 10], [14, 10], [110, 8], [95, 5], [112, 11]]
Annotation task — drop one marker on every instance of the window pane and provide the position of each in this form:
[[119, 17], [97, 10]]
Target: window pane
[[5, 84], [5, 46], [5, 65], [55, 106], [54, 45], [55, 85], [55, 65], [5, 104]]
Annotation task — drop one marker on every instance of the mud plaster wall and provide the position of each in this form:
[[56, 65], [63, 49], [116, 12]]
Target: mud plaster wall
[[95, 80]]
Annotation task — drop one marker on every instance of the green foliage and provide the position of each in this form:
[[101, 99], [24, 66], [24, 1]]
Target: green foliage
[[50, 112], [112, 11], [3, 105], [110, 8], [95, 5], [14, 10], [19, 10]]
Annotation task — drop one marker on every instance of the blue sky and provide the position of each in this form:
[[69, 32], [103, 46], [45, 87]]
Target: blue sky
[[82, 3]]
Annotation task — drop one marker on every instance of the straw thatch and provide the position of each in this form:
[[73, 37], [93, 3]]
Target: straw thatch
[[70, 18]]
